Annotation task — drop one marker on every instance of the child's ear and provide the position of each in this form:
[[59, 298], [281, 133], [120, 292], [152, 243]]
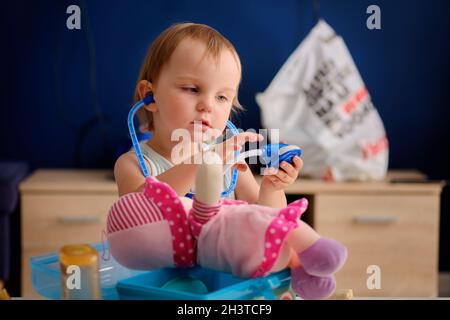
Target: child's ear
[[144, 88]]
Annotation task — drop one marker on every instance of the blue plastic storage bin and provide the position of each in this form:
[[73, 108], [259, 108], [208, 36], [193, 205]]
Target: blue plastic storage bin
[[219, 285], [118, 282], [46, 275]]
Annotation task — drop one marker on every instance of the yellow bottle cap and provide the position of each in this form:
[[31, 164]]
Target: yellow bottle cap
[[78, 254]]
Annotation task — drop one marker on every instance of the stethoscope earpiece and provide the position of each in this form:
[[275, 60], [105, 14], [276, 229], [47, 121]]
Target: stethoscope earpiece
[[148, 99]]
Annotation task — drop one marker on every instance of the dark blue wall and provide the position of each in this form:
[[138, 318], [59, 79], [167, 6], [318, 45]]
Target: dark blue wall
[[56, 83]]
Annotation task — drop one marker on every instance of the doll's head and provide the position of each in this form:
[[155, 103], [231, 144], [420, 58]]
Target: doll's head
[[194, 73]]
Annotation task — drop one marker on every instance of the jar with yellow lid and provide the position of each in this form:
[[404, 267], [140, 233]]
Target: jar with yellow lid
[[79, 272]]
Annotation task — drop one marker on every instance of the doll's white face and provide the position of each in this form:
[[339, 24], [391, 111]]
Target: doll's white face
[[192, 87]]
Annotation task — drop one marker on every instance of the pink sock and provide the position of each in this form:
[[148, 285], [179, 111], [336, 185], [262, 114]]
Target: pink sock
[[200, 214]]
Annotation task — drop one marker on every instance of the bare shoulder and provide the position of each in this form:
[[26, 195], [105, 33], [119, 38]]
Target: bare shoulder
[[128, 174], [125, 160]]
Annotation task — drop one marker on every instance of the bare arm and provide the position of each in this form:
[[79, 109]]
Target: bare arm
[[246, 186], [272, 198], [247, 189], [129, 177]]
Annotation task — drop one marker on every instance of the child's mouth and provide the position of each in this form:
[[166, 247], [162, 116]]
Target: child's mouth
[[202, 125]]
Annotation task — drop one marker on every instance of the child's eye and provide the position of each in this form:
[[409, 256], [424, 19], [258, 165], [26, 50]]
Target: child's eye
[[190, 89], [222, 98]]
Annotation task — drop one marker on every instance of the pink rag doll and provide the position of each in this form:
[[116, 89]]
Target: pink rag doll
[[157, 228]]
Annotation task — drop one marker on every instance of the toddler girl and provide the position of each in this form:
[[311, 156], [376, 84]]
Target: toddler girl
[[193, 73]]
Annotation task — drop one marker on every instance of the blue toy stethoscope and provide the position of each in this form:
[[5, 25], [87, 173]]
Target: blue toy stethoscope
[[267, 152]]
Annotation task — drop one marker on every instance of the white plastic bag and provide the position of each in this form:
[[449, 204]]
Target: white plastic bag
[[319, 102]]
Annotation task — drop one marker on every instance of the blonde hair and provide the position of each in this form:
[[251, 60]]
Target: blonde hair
[[162, 48]]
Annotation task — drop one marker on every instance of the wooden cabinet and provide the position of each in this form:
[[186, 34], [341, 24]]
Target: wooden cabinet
[[392, 226], [391, 230], [62, 207], [397, 234]]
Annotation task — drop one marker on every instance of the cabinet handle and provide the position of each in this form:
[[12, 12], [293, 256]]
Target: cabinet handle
[[375, 219], [78, 219]]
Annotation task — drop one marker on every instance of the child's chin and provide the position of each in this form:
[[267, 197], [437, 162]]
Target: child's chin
[[204, 136]]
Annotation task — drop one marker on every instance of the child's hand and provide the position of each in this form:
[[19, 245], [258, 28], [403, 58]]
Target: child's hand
[[277, 179], [227, 148]]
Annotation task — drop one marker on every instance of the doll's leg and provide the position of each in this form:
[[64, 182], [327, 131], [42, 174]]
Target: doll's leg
[[313, 260], [319, 256], [209, 179], [284, 259], [298, 240], [302, 237], [305, 285], [311, 287], [208, 186]]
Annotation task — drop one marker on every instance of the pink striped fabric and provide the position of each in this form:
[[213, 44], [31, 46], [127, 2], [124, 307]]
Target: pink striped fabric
[[158, 202], [132, 210], [200, 214], [203, 212]]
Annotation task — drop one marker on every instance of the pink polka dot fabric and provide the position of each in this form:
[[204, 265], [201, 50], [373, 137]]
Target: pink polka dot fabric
[[168, 201], [277, 232], [246, 239]]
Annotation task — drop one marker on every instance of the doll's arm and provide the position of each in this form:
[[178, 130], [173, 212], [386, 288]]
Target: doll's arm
[[209, 178]]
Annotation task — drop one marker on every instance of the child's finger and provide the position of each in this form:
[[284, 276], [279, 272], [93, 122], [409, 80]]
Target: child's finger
[[270, 171], [243, 137], [226, 150], [283, 176], [289, 169], [298, 163]]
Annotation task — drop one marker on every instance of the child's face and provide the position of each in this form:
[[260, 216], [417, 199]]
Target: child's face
[[195, 87]]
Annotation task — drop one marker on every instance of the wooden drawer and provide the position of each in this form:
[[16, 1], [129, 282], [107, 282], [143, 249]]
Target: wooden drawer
[[397, 233], [52, 220]]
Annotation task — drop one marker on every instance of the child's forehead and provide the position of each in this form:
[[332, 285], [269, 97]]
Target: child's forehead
[[192, 54], [189, 50]]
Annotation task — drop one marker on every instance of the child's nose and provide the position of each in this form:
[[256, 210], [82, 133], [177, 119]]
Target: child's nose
[[205, 104]]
